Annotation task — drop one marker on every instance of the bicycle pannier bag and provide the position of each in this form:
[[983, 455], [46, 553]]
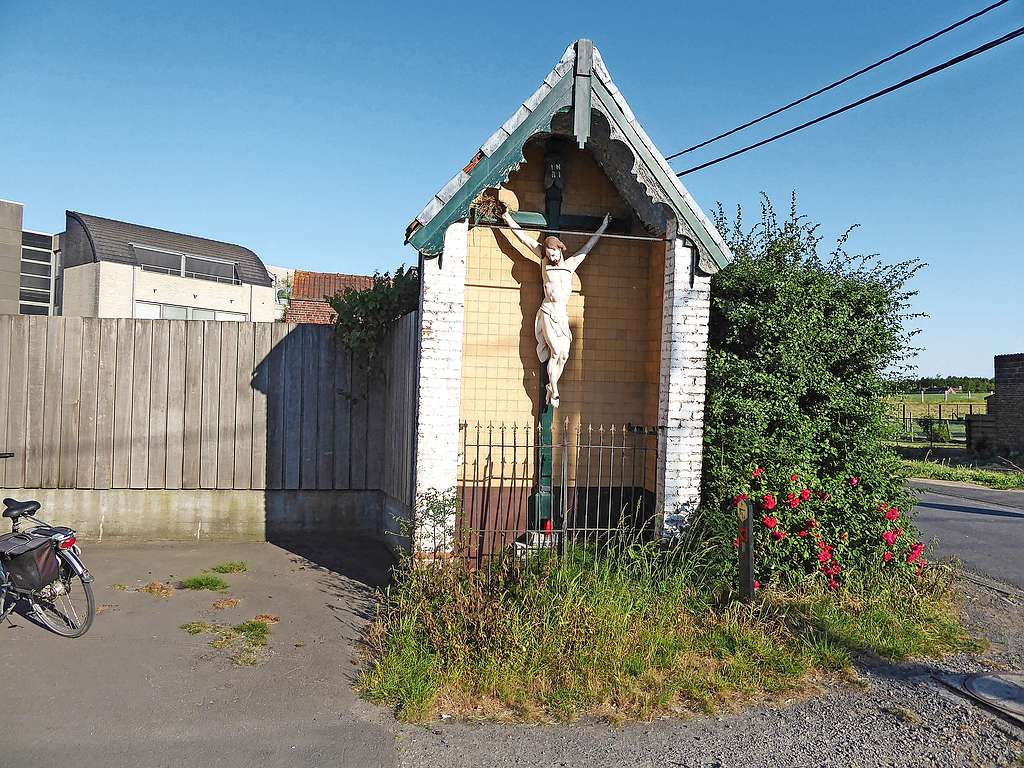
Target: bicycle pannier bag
[[29, 561]]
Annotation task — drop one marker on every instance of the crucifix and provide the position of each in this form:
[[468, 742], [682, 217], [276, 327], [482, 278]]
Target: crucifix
[[551, 325]]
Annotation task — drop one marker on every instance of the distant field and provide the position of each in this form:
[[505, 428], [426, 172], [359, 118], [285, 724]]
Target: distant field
[[956, 406]]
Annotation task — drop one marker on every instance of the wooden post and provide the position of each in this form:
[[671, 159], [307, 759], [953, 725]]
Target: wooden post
[[745, 518]]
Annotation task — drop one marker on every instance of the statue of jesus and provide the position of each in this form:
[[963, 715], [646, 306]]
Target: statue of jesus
[[552, 324]]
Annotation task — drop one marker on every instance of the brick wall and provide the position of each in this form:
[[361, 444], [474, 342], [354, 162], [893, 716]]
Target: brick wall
[[1007, 404]]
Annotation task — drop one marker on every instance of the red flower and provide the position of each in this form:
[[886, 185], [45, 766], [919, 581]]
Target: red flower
[[822, 495], [779, 534], [890, 537], [805, 494], [768, 501], [854, 480], [758, 472], [887, 556], [769, 522], [812, 523], [833, 584], [737, 500], [757, 584], [793, 478], [892, 514], [824, 556], [834, 570], [915, 552], [802, 534], [736, 543], [792, 500]]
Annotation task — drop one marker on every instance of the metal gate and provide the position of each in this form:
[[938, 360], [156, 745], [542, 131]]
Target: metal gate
[[603, 483]]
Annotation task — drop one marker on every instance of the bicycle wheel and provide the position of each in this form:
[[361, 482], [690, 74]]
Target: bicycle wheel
[[66, 606]]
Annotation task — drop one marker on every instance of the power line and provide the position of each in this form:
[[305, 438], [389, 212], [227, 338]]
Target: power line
[[846, 79], [962, 57]]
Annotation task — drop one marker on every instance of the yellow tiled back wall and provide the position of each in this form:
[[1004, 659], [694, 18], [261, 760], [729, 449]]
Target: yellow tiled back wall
[[614, 313]]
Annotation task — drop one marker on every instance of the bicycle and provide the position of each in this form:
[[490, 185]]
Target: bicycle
[[42, 566]]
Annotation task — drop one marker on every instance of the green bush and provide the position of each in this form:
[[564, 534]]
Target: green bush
[[936, 430], [802, 350]]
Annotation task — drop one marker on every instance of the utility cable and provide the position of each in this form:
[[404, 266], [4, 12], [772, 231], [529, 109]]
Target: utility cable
[[920, 76], [839, 82]]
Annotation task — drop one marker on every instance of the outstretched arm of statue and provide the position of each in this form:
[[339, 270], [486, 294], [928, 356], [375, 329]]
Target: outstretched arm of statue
[[581, 254], [520, 233]]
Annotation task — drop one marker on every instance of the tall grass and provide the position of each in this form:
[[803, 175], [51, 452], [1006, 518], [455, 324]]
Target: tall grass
[[624, 635], [935, 471]]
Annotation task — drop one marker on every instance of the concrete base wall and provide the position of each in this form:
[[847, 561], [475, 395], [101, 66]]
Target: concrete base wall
[[224, 515]]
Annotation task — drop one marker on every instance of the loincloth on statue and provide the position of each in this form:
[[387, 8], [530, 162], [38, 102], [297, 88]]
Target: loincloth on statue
[[551, 324]]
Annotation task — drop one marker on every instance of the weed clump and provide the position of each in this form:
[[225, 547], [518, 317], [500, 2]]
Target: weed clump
[[252, 635], [235, 566], [206, 581]]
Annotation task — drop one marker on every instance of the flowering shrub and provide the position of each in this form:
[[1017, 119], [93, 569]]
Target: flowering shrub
[[801, 351], [823, 533]]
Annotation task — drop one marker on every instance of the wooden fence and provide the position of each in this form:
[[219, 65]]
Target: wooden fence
[[174, 404]]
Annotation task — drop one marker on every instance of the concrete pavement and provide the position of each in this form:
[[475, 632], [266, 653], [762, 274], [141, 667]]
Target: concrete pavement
[[981, 526], [138, 692]]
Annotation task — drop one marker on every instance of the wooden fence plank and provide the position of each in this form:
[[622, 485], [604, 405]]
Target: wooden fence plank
[[17, 406], [53, 384], [138, 476], [123, 378], [325, 410], [158, 374], [175, 404], [5, 389], [243, 406], [342, 418], [275, 366], [85, 472], [358, 432], [292, 431], [226, 419], [376, 434], [211, 405], [106, 388], [260, 390], [71, 391], [192, 440], [310, 396]]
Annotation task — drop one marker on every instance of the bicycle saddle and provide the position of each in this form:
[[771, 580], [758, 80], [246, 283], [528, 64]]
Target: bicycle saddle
[[14, 508]]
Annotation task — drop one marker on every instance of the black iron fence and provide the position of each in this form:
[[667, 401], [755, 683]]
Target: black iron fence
[[602, 483]]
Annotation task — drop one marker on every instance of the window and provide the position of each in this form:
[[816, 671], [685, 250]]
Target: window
[[30, 281], [149, 310], [34, 309], [186, 264], [43, 297], [34, 254], [31, 268], [37, 240]]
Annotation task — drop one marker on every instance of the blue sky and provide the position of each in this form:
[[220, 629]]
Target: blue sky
[[313, 132]]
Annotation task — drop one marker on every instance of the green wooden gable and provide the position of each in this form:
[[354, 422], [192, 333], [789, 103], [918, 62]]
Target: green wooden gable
[[577, 97]]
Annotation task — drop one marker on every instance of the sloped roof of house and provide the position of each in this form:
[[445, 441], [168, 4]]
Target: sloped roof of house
[[112, 240], [315, 285], [578, 97]]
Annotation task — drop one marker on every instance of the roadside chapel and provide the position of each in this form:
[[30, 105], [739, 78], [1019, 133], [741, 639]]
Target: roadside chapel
[[564, 321]]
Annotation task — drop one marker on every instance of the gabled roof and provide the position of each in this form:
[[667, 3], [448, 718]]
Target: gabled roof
[[577, 98], [112, 240]]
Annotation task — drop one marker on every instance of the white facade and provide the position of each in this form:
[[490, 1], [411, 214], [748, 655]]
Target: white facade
[[110, 289]]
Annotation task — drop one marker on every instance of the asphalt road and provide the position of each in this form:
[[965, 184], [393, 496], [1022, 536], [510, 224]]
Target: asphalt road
[[982, 527]]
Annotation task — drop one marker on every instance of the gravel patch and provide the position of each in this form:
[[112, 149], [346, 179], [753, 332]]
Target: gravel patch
[[897, 715]]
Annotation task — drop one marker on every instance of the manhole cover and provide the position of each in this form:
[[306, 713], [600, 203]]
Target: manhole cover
[[1003, 690]]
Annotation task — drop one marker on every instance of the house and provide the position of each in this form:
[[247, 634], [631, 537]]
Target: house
[[29, 266], [309, 294], [1001, 430], [113, 268]]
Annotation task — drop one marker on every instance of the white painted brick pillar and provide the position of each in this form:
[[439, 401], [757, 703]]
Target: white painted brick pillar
[[442, 310], [684, 344]]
